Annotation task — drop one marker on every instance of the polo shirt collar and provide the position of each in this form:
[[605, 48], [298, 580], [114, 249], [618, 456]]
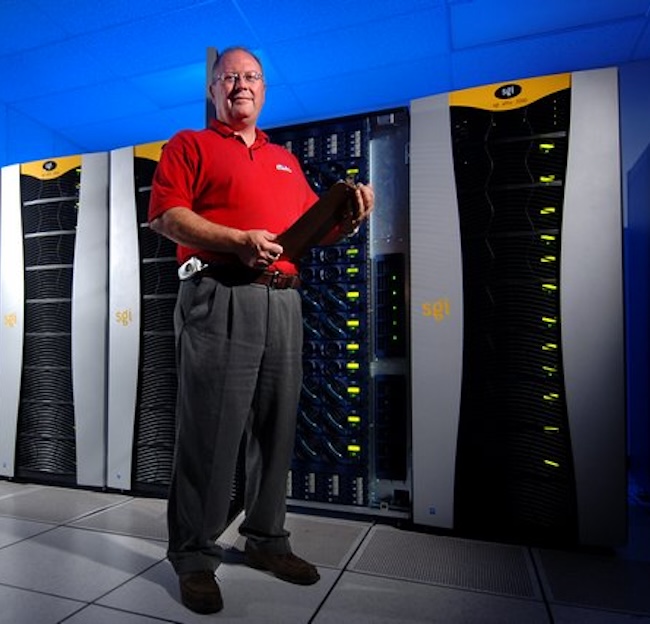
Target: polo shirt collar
[[225, 130]]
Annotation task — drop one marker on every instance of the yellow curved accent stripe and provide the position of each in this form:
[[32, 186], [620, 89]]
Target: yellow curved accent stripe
[[532, 89], [50, 168], [150, 151]]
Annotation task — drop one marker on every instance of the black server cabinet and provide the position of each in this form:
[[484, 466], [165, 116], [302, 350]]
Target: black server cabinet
[[514, 446], [517, 323], [154, 426]]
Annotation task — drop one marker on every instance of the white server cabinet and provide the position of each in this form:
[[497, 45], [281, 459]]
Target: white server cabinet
[[53, 265], [143, 288], [124, 319]]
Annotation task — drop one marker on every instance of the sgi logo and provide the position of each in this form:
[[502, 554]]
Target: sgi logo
[[507, 92]]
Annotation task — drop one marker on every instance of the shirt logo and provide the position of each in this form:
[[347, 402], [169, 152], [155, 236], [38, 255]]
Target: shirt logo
[[281, 167]]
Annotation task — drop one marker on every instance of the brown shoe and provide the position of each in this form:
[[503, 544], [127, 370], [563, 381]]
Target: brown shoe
[[285, 566], [200, 592]]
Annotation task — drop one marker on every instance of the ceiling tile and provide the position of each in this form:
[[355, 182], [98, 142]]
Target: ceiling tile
[[489, 21], [79, 17], [382, 87], [277, 21], [167, 40], [24, 26], [53, 69], [352, 52], [110, 100], [567, 51], [136, 129], [172, 87], [281, 103]]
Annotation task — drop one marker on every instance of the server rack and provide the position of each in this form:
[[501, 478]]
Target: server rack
[[519, 423], [352, 437], [143, 289], [54, 284]]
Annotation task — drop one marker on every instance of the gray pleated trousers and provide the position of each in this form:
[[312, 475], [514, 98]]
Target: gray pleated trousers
[[239, 361]]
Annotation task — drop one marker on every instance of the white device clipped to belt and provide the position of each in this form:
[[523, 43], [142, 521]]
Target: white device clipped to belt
[[190, 268]]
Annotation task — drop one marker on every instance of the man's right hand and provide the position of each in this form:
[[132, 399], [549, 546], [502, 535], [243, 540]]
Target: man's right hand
[[258, 249]]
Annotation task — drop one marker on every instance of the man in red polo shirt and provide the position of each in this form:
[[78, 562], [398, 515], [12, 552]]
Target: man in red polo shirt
[[223, 194]]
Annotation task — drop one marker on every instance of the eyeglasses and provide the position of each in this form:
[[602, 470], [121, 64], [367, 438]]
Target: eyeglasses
[[249, 77]]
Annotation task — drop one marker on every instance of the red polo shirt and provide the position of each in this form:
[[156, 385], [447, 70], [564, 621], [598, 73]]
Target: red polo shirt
[[215, 174]]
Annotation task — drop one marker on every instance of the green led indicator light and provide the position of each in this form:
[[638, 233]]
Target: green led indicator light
[[547, 210], [551, 463]]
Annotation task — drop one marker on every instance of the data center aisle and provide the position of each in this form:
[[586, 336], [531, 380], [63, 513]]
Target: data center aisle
[[85, 557]]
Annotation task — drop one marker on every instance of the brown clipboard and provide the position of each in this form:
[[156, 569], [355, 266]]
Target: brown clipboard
[[312, 227]]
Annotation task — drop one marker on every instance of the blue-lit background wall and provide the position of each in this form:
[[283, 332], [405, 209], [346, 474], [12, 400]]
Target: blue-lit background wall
[[635, 138]]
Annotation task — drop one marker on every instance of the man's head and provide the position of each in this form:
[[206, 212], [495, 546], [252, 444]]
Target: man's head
[[237, 89]]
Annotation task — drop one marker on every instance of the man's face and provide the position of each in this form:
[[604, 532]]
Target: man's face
[[238, 103]]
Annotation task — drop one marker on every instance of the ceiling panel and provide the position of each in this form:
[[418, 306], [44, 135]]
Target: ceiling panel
[[566, 51], [282, 103], [378, 90], [282, 21], [54, 69], [350, 53], [86, 16], [99, 102], [172, 87], [136, 129], [167, 40], [23, 26], [513, 19]]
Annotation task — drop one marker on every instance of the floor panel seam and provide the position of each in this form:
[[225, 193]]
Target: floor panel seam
[[342, 570]]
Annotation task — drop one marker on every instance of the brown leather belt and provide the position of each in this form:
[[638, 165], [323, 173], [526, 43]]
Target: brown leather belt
[[230, 275]]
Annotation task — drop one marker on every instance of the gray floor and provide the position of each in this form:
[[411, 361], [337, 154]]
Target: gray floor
[[94, 558]]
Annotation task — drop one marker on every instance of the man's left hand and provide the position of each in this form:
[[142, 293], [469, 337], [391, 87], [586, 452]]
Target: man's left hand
[[364, 204]]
